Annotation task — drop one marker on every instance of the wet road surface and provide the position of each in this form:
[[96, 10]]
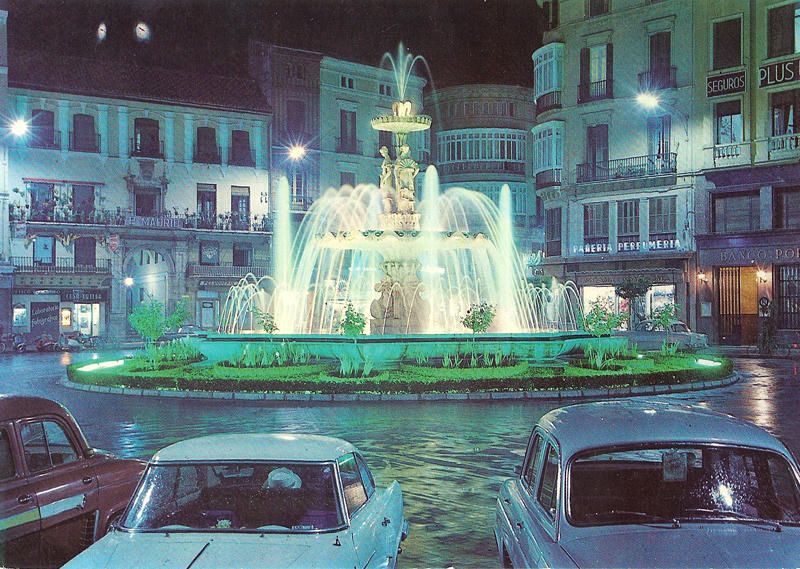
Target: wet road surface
[[449, 457]]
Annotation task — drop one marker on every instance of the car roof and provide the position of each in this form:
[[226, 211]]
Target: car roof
[[21, 406], [252, 446], [632, 422]]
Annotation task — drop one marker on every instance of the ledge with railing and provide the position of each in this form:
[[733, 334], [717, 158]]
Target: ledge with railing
[[300, 203], [632, 167], [548, 178], [230, 221], [29, 265], [656, 79], [241, 156], [45, 139], [147, 150], [594, 91], [227, 270], [730, 154], [481, 166], [84, 142], [348, 146], [784, 145], [548, 101]]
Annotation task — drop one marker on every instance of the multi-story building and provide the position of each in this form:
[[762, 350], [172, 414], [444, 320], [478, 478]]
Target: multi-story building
[[747, 77], [130, 183], [482, 141], [616, 177], [322, 108]]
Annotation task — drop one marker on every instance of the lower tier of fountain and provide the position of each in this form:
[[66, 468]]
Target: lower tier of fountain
[[388, 351]]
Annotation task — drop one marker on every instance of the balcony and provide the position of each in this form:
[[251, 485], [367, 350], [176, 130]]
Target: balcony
[[147, 150], [60, 266], [227, 270], [726, 155], [482, 167], [622, 168], [84, 143], [121, 217], [348, 146], [548, 178], [657, 79], [206, 154], [594, 91], [784, 146], [241, 157], [300, 203], [548, 101], [44, 139]]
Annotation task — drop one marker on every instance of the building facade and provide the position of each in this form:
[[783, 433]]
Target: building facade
[[131, 183], [747, 80], [322, 109], [616, 171], [482, 141]]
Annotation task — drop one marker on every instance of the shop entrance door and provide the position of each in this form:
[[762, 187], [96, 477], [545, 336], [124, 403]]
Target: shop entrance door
[[737, 305]]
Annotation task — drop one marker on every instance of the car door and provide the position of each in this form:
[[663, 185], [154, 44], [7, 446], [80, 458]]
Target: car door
[[526, 550], [537, 527], [366, 517], [19, 512], [64, 485], [389, 505]]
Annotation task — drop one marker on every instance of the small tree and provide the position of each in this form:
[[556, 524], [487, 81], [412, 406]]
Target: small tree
[[353, 323], [633, 290], [150, 321], [266, 320], [665, 316], [479, 317], [600, 321]]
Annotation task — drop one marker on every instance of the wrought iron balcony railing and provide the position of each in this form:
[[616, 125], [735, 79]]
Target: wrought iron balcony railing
[[84, 143], [29, 265], [482, 166], [656, 79], [594, 91], [548, 178], [227, 270], [633, 167]]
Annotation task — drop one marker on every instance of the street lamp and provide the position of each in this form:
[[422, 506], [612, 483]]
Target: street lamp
[[128, 282], [297, 152], [19, 127], [651, 101], [648, 100]]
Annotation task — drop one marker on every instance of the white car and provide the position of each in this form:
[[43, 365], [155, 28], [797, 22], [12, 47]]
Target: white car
[[647, 335], [256, 500], [643, 484]]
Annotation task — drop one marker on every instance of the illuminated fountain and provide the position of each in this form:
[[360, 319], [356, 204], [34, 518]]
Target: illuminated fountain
[[413, 266]]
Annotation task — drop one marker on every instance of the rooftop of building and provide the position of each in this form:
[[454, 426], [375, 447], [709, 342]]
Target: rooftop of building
[[127, 80]]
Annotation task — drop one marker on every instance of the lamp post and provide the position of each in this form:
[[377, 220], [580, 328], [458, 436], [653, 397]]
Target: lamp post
[[128, 282]]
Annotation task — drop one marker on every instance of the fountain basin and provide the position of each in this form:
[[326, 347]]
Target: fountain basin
[[389, 351], [401, 124]]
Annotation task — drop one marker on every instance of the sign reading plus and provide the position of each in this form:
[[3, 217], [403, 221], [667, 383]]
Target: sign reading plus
[[780, 72]]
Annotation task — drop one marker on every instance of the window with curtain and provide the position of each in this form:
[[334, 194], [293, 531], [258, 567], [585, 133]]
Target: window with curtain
[[240, 148], [552, 231], [84, 138], [784, 106], [42, 129], [595, 226], [728, 118], [146, 139], [783, 30], [207, 150], [663, 218], [628, 221]]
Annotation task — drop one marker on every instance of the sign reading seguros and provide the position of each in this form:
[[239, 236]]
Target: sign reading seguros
[[726, 84]]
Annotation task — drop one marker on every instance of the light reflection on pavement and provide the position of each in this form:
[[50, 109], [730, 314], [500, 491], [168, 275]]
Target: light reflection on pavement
[[449, 457]]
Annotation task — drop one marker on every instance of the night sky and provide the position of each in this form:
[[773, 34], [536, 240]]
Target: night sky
[[465, 41]]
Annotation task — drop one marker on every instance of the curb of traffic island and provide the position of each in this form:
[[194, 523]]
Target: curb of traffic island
[[545, 394]]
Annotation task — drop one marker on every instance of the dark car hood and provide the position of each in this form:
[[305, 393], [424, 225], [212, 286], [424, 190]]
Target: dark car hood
[[692, 545]]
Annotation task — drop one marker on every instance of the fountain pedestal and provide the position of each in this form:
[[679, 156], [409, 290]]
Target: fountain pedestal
[[400, 308]]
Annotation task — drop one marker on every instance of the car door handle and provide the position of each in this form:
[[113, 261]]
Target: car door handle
[[25, 498], [506, 500], [87, 479], [520, 525]]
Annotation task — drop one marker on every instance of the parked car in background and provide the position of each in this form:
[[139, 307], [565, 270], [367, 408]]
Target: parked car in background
[[647, 335], [643, 484], [57, 494], [256, 500]]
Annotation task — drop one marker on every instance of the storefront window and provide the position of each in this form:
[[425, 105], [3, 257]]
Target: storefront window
[[20, 316], [658, 296], [788, 296]]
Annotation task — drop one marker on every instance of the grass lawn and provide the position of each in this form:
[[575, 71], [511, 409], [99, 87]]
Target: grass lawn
[[321, 378]]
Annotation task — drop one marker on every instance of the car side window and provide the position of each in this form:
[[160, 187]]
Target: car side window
[[7, 469], [46, 445], [366, 476], [355, 495], [548, 485], [532, 466]]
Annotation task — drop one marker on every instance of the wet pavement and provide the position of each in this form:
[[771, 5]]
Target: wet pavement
[[450, 457]]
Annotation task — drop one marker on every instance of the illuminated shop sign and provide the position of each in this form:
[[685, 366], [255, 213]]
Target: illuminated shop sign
[[780, 72], [654, 245], [726, 84]]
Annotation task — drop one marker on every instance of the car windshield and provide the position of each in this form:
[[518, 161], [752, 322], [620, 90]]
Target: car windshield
[[684, 483], [276, 497]]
